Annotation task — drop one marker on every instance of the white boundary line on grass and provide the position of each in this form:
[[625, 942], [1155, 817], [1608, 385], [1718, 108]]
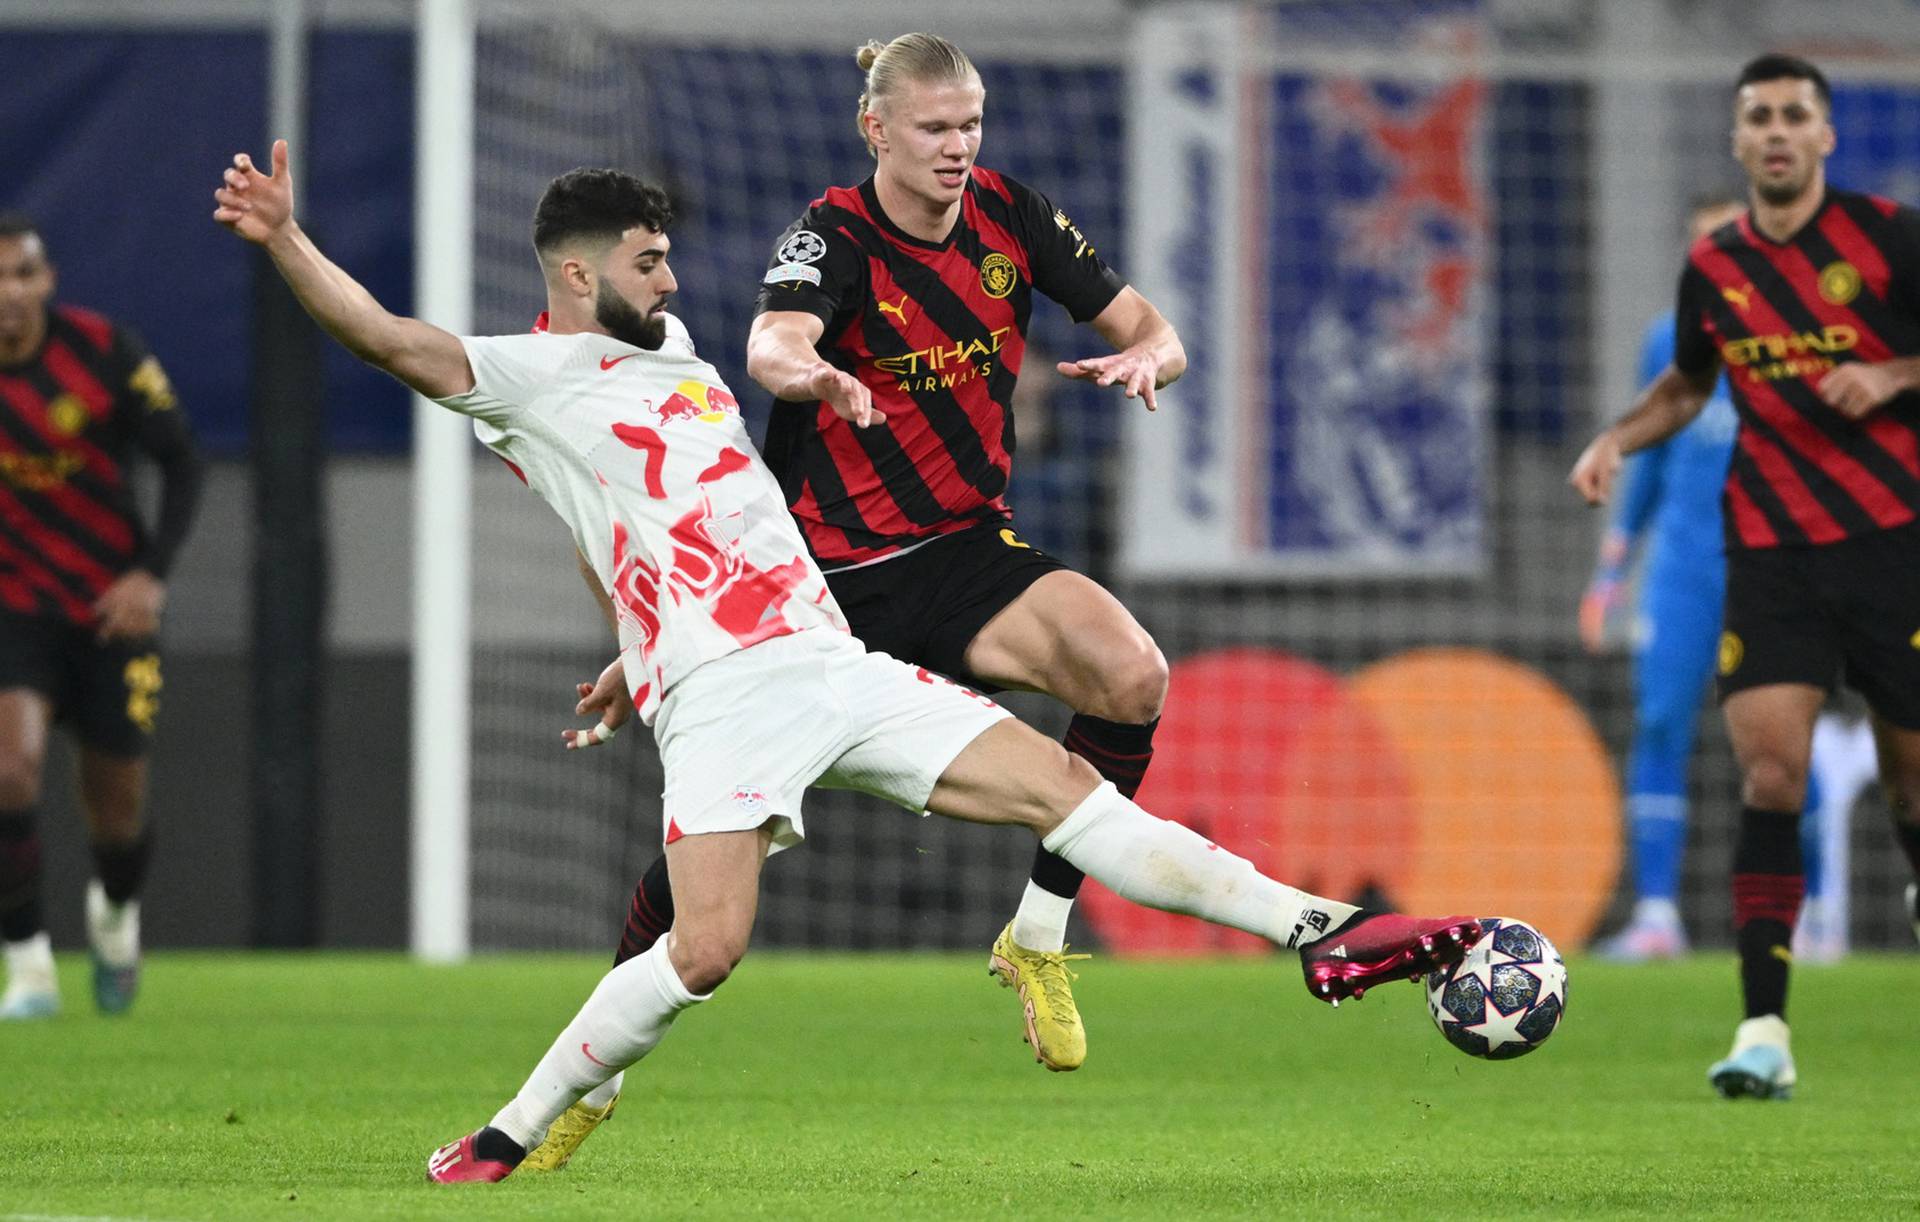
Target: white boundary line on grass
[[77, 1218]]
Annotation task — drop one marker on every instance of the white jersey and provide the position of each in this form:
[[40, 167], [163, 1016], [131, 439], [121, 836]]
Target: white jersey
[[644, 455]]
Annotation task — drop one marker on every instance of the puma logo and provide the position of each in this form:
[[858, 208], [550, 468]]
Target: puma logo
[[898, 311], [1740, 298]]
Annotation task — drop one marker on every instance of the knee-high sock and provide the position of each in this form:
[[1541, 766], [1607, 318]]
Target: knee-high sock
[[1767, 887], [1163, 865], [626, 1017], [1120, 753], [20, 908]]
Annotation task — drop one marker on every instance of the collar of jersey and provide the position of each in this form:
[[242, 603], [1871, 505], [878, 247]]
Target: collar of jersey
[[880, 218], [1753, 233]]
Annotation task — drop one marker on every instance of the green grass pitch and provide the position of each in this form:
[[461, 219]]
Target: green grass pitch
[[299, 1087]]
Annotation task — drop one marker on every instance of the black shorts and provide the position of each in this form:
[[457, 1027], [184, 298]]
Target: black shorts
[[109, 693], [1811, 614], [926, 606]]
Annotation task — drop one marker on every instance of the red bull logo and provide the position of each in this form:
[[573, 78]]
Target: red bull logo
[[698, 401]]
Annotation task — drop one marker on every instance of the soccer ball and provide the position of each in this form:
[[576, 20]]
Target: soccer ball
[[1506, 997]]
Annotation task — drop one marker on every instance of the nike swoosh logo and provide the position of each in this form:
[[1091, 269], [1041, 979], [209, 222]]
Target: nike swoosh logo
[[608, 362], [588, 1052]]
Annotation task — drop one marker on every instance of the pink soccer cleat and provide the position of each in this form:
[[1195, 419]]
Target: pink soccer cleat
[[1375, 947], [458, 1163]]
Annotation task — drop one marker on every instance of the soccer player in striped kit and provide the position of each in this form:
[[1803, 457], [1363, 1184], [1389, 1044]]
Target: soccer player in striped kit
[[1811, 303], [917, 285], [82, 584]]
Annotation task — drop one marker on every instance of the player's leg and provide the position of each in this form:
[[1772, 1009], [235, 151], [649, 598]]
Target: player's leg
[[31, 989], [1671, 663], [119, 686], [1011, 774], [1066, 636], [1899, 749], [1771, 728], [629, 1012]]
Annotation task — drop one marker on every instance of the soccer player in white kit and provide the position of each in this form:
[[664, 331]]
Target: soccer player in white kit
[[732, 646]]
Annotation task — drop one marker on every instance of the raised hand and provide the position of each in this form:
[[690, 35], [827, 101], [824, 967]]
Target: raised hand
[[254, 205], [1136, 371]]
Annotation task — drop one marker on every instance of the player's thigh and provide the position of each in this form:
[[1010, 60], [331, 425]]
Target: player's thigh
[[1013, 774], [716, 895], [1771, 729], [1068, 637], [116, 688]]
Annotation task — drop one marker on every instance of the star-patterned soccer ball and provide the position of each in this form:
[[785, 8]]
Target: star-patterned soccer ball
[[1506, 997]]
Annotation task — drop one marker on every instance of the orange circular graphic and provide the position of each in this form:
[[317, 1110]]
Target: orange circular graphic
[[1519, 811]]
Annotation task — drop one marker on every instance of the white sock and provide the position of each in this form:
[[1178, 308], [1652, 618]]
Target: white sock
[[30, 965], [113, 929], [628, 1014], [1041, 921], [1663, 913], [604, 1093], [1163, 865]]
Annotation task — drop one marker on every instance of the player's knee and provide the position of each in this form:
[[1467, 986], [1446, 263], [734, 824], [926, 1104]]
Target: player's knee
[[1061, 792], [1774, 783], [704, 960], [19, 780], [1135, 682]]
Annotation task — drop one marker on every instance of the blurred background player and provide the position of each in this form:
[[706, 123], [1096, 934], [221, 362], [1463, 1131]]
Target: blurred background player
[[1812, 301], [82, 584], [919, 282], [1671, 491]]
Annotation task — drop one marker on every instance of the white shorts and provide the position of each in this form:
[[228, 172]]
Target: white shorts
[[743, 736]]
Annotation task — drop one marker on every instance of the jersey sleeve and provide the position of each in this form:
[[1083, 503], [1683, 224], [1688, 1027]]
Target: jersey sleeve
[[150, 413], [1066, 267], [509, 375], [1694, 353], [1904, 258], [815, 269]]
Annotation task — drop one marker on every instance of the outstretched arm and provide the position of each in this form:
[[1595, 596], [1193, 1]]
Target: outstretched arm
[[259, 208], [782, 359], [1150, 355], [1663, 409]]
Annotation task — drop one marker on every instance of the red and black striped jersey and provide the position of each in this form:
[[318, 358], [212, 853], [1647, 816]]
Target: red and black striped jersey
[[1779, 316], [70, 418], [936, 330]]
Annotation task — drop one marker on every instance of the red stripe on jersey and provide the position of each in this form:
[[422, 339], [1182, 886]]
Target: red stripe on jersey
[[1856, 248], [106, 525], [1895, 438], [1804, 279], [1887, 206], [991, 180], [78, 380], [95, 327], [52, 547], [995, 237], [515, 468], [1752, 525], [32, 574], [1777, 469]]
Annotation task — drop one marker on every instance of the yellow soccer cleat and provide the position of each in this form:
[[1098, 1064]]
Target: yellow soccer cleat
[[565, 1136], [1045, 985]]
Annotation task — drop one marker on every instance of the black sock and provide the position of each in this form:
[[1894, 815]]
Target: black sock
[[20, 913], [496, 1147], [1119, 753], [1767, 887], [121, 868], [649, 913]]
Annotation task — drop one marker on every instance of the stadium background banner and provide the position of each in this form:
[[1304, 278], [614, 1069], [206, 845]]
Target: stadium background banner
[[1321, 240]]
